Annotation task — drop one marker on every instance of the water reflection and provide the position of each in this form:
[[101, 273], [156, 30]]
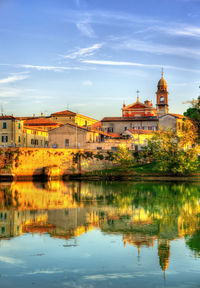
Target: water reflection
[[143, 213]]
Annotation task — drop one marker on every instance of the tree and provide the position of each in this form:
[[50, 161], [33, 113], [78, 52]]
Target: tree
[[123, 156], [193, 113], [165, 148]]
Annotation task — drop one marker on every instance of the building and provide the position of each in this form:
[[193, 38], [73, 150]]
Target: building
[[72, 117], [139, 138], [71, 135], [35, 137], [140, 116], [11, 131]]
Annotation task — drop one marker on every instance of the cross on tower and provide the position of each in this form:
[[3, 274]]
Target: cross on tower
[[162, 72], [137, 95]]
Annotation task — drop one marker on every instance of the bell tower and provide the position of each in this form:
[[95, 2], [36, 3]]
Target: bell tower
[[162, 97]]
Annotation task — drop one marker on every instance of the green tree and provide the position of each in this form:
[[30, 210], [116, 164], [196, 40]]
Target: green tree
[[165, 148], [123, 156], [193, 113]]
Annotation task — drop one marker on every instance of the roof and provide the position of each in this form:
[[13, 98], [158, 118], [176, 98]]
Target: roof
[[5, 117], [40, 122], [162, 83], [140, 131], [85, 129], [179, 116], [119, 119], [64, 113], [115, 135], [35, 129], [70, 113]]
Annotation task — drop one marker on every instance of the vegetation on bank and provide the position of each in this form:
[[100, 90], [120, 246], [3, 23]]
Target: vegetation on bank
[[166, 153]]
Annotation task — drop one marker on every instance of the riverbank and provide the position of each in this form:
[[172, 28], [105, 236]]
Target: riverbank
[[145, 172]]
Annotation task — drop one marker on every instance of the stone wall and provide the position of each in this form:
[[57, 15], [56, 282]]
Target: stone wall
[[28, 162]]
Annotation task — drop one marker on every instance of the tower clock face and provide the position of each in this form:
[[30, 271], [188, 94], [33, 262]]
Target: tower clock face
[[162, 99]]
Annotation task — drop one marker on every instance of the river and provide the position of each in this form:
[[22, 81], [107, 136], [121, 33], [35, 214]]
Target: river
[[99, 234]]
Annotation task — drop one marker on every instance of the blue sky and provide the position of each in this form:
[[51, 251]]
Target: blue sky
[[91, 55]]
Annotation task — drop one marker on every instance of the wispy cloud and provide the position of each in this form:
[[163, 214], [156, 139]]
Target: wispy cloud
[[87, 83], [85, 28], [159, 49], [13, 78], [84, 52], [49, 68], [121, 63], [15, 92], [10, 260]]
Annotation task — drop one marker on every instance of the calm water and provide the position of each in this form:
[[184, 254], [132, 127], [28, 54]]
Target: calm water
[[99, 235]]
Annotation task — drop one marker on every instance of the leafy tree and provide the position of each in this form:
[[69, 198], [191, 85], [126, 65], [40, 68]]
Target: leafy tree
[[165, 148], [193, 113], [123, 156]]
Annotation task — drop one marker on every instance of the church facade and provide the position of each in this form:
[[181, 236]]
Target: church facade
[[140, 116]]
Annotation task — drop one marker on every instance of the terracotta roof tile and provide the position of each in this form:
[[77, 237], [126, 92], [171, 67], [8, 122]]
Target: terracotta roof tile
[[40, 122], [140, 131], [118, 119], [5, 117], [64, 113]]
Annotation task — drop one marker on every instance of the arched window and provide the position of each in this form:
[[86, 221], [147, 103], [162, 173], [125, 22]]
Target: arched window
[[162, 100]]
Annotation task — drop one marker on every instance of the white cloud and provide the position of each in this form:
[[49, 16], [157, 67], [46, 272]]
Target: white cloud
[[10, 260], [14, 92], [156, 48], [87, 83], [44, 272], [84, 52], [49, 68], [13, 78], [121, 63], [85, 28]]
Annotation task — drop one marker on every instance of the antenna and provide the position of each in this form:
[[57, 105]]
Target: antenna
[[2, 109], [162, 72]]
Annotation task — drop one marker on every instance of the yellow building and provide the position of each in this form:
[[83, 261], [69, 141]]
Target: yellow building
[[35, 137], [139, 137], [11, 132], [71, 117]]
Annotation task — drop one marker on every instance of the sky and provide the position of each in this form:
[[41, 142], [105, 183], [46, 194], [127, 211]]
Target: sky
[[89, 56]]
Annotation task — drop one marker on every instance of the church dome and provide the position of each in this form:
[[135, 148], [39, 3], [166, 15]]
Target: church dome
[[162, 84]]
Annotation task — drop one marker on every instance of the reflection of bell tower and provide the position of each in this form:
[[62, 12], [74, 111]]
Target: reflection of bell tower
[[163, 253], [162, 97]]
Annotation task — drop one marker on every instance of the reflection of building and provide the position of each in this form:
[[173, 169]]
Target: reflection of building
[[12, 221], [163, 253], [67, 210]]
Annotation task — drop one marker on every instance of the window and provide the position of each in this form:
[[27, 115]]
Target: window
[[4, 138], [99, 148], [3, 230], [85, 123], [4, 125], [66, 142], [19, 125], [125, 128], [110, 129], [162, 100], [114, 148], [34, 142], [41, 142], [19, 138]]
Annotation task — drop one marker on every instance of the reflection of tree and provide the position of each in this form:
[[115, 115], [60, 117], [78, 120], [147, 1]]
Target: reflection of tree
[[193, 242]]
